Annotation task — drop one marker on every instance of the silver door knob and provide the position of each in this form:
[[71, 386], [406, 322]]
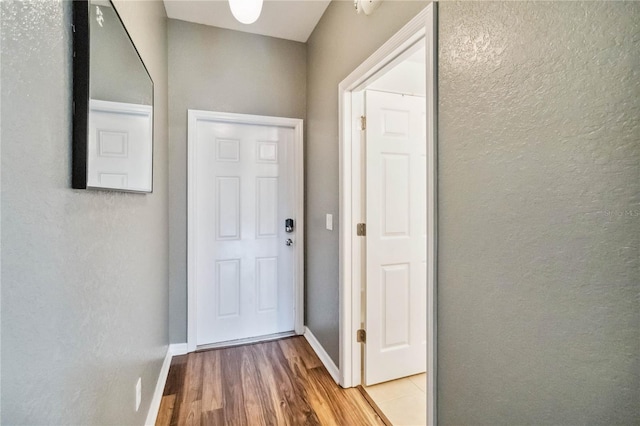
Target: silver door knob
[[289, 241]]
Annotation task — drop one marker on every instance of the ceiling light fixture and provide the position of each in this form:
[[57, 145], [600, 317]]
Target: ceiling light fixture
[[366, 6], [246, 11]]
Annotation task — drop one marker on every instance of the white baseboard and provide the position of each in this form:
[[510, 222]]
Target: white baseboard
[[178, 349], [152, 414], [173, 350], [322, 354]]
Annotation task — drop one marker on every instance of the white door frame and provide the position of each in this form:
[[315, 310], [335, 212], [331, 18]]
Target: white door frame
[[351, 256], [298, 268]]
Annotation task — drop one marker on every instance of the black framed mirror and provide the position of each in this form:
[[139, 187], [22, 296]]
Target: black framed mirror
[[113, 103]]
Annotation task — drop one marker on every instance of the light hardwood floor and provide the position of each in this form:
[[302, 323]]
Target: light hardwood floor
[[273, 383]]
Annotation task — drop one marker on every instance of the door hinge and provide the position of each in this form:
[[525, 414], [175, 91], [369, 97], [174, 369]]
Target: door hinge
[[361, 229], [361, 336], [363, 122]]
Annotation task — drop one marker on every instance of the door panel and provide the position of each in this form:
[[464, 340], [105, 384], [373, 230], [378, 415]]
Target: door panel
[[244, 270], [395, 192], [395, 290], [228, 201]]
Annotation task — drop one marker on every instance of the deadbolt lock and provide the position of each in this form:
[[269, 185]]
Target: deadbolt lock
[[288, 225]]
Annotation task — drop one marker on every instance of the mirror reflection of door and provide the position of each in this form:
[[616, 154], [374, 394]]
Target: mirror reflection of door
[[120, 130], [117, 155]]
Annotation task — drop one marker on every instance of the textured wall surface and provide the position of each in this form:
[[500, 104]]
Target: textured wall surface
[[341, 41], [539, 215], [215, 69], [84, 273]]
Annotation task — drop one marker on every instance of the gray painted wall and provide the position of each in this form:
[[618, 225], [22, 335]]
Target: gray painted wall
[[341, 41], [84, 273], [539, 232], [220, 70], [539, 157]]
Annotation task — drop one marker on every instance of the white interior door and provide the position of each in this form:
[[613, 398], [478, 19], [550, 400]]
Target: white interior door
[[396, 212], [243, 193]]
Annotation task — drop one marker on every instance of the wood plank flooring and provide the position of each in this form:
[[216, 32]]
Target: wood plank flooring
[[280, 382]]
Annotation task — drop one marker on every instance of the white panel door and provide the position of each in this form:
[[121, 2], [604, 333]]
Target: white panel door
[[396, 247], [243, 194]]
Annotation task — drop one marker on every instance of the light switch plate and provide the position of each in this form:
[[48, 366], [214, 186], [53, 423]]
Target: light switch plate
[[330, 222]]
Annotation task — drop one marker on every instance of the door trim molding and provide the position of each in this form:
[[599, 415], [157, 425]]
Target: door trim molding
[[298, 268], [423, 25]]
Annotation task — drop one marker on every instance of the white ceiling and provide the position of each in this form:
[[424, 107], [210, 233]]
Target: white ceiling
[[407, 76], [288, 19]]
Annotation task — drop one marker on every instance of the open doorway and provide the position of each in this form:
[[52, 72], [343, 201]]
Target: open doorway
[[394, 192], [388, 241]]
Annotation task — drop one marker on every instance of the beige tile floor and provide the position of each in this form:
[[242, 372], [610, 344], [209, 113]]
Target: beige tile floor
[[403, 401]]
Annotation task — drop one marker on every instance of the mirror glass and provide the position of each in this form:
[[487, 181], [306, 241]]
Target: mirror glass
[[120, 124]]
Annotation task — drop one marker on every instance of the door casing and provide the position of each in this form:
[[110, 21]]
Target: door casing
[[298, 267], [351, 250]]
